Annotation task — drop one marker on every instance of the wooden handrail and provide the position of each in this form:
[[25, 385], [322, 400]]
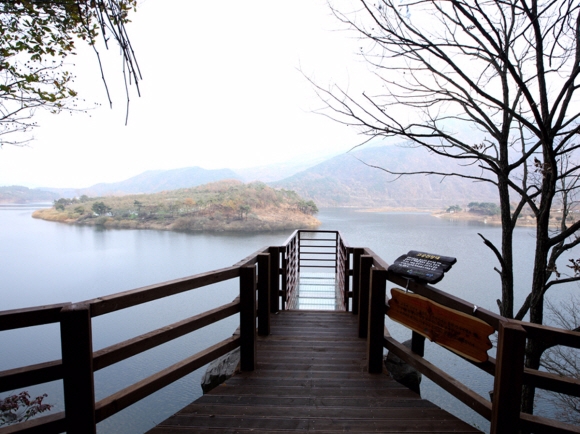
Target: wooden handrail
[[134, 297], [271, 263], [49, 424], [539, 424], [25, 376], [551, 336], [31, 316]]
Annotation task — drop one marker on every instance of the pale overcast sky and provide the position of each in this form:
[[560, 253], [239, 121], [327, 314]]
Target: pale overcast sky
[[221, 88]]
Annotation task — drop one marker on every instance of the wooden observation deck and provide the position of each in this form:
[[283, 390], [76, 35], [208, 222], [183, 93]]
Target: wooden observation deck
[[311, 375], [319, 371]]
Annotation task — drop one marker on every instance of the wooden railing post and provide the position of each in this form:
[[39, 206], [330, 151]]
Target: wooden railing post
[[507, 387], [248, 318], [376, 321], [274, 279], [418, 344], [356, 254], [284, 277], [366, 263], [263, 294], [77, 367], [346, 267]]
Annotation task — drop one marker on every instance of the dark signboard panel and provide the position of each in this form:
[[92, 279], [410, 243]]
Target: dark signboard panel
[[421, 266]]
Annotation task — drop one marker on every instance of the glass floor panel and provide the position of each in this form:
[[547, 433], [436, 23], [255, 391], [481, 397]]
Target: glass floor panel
[[317, 291]]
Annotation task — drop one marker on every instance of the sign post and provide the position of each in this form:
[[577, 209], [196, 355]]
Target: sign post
[[461, 333]]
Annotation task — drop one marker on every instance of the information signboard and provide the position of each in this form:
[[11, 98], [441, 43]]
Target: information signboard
[[421, 266], [457, 331]]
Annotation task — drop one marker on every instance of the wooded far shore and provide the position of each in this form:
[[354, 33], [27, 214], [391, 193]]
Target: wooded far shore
[[215, 207]]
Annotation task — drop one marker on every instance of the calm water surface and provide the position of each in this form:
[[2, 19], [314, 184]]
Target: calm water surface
[[45, 263]]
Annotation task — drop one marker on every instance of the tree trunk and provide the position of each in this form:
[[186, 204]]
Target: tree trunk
[[534, 349], [507, 269]]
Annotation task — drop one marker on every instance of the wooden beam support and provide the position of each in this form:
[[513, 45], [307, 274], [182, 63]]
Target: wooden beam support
[[77, 364], [418, 344], [346, 276], [366, 263], [274, 279], [376, 321], [248, 318], [507, 388], [357, 253], [264, 294]]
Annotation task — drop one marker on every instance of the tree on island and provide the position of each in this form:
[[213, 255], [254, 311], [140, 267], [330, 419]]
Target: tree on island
[[244, 211], [484, 208], [99, 208], [35, 38], [308, 207], [493, 86]]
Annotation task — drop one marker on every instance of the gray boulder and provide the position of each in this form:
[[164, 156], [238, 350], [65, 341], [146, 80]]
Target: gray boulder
[[402, 372], [220, 370]]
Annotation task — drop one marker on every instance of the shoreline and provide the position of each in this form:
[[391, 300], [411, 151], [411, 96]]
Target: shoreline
[[526, 221], [259, 222]]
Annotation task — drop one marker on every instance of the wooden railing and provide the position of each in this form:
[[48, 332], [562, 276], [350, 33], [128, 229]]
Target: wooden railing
[[79, 361], [370, 275], [274, 273]]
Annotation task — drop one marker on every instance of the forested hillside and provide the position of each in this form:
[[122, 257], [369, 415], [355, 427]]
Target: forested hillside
[[219, 206]]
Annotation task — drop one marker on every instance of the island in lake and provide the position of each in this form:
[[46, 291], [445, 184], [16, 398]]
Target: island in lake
[[219, 206]]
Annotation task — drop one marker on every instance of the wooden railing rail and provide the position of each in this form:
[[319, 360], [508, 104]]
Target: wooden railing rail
[[508, 369], [123, 300], [29, 317], [79, 362], [272, 273]]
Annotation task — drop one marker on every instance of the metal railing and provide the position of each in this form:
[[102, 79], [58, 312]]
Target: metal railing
[[319, 251]]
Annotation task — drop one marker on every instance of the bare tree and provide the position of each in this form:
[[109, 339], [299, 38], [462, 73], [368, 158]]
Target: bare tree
[[493, 85]]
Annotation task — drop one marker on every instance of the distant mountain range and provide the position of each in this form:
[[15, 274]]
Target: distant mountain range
[[152, 181], [346, 180], [343, 180], [19, 194]]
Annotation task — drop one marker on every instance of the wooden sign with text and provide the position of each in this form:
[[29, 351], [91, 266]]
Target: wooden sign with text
[[461, 333]]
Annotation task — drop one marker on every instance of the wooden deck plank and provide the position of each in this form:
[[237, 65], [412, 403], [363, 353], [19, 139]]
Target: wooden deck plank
[[311, 376]]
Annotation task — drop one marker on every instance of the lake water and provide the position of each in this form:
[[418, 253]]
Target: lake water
[[45, 263]]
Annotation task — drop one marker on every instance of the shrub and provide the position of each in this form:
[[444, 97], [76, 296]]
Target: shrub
[[20, 408]]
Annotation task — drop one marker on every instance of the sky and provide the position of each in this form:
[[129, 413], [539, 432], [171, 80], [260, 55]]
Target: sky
[[223, 87]]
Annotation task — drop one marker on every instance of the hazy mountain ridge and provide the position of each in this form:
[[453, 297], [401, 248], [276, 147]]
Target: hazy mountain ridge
[[152, 181], [19, 194], [346, 181], [342, 180]]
